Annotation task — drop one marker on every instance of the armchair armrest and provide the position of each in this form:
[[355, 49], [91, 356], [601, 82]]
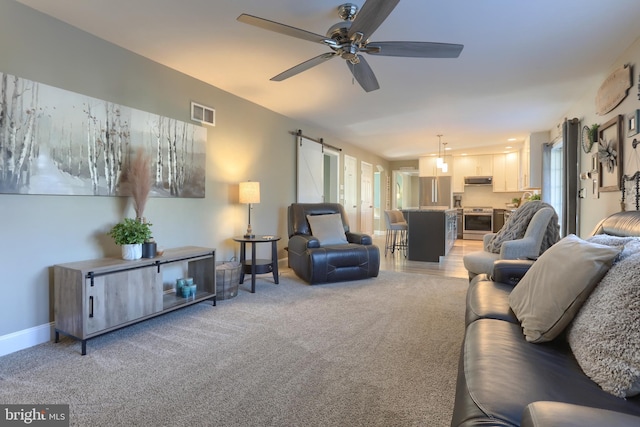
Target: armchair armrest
[[510, 271], [486, 238], [557, 414], [301, 242], [359, 238], [527, 247]]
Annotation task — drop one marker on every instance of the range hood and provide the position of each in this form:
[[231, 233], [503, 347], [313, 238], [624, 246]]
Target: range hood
[[478, 180]]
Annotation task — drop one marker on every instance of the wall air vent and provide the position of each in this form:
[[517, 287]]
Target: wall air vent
[[203, 114]]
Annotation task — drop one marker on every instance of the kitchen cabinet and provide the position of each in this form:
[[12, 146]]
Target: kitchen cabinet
[[427, 166], [480, 165], [531, 160], [506, 172]]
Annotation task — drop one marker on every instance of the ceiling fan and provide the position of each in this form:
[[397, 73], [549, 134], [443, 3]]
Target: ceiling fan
[[349, 38]]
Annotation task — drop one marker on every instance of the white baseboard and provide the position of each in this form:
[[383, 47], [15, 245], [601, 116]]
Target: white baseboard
[[26, 338]]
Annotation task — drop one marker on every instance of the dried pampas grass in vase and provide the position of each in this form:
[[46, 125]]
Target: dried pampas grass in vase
[[140, 181]]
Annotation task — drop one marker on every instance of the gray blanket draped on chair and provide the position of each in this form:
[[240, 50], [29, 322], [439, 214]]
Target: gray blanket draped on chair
[[517, 224]]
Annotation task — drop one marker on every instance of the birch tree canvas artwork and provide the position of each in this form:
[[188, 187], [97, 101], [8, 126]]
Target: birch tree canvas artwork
[[53, 141]]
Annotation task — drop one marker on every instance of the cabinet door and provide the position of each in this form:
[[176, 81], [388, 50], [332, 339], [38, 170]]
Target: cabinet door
[[120, 297], [499, 173], [428, 166], [484, 165], [463, 166], [459, 171], [512, 172], [506, 173]]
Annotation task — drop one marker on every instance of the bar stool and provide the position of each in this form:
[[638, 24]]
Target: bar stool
[[396, 237]]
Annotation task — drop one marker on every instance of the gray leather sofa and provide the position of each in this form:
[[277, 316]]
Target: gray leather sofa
[[503, 380], [357, 258]]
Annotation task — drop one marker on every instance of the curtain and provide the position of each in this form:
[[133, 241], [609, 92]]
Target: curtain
[[560, 177], [571, 179]]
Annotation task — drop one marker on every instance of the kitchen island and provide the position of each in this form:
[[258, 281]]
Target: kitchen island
[[431, 234]]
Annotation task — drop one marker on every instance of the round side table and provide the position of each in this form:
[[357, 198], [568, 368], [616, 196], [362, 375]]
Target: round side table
[[255, 266]]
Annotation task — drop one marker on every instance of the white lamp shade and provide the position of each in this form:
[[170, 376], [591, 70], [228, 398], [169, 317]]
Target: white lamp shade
[[445, 168], [249, 192], [439, 162]]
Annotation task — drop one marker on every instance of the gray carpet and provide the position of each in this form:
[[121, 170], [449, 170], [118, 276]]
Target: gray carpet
[[378, 352]]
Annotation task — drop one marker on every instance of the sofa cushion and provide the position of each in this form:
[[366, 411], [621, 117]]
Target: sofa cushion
[[605, 335], [487, 299], [328, 229], [556, 285], [556, 414], [502, 373], [630, 245]]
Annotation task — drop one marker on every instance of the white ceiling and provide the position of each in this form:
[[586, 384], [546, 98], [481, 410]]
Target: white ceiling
[[524, 63]]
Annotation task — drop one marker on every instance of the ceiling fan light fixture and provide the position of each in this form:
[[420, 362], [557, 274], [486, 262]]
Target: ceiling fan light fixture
[[350, 37], [347, 11]]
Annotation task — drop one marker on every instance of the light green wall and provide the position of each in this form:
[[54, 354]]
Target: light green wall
[[247, 143]]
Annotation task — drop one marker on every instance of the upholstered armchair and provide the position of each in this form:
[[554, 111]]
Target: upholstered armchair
[[322, 248], [527, 247]]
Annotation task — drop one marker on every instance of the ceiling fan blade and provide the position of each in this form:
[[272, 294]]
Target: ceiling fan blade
[[371, 15], [364, 74], [415, 49], [303, 66], [284, 29]]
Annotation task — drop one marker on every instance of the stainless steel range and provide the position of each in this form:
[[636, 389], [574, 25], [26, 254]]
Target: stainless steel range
[[476, 222]]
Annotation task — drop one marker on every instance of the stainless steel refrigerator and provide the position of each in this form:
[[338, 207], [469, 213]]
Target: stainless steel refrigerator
[[436, 191]]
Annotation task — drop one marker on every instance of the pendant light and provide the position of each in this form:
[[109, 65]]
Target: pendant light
[[445, 166], [440, 163], [439, 160]]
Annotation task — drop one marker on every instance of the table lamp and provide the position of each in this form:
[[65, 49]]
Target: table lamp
[[249, 193]]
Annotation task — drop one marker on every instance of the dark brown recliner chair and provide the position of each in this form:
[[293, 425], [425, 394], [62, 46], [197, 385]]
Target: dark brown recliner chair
[[357, 258]]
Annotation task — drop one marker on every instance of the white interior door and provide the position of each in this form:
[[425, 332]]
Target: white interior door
[[351, 191], [366, 198], [331, 176]]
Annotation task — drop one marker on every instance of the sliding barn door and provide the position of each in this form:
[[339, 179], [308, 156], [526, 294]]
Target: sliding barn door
[[310, 182]]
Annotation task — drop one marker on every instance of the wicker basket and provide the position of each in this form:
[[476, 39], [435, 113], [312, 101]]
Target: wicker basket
[[227, 279]]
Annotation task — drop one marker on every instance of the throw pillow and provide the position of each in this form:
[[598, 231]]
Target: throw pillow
[[328, 229], [604, 337], [631, 245], [552, 291]]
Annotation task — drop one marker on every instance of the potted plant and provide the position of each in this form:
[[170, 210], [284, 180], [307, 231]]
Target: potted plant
[[131, 234]]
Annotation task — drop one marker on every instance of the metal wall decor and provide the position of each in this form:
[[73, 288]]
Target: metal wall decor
[[610, 155], [631, 178], [53, 141]]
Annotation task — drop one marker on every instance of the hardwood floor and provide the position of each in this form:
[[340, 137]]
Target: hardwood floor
[[450, 265]]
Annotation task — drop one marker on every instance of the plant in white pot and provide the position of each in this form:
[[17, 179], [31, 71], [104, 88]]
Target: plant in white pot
[[131, 234]]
